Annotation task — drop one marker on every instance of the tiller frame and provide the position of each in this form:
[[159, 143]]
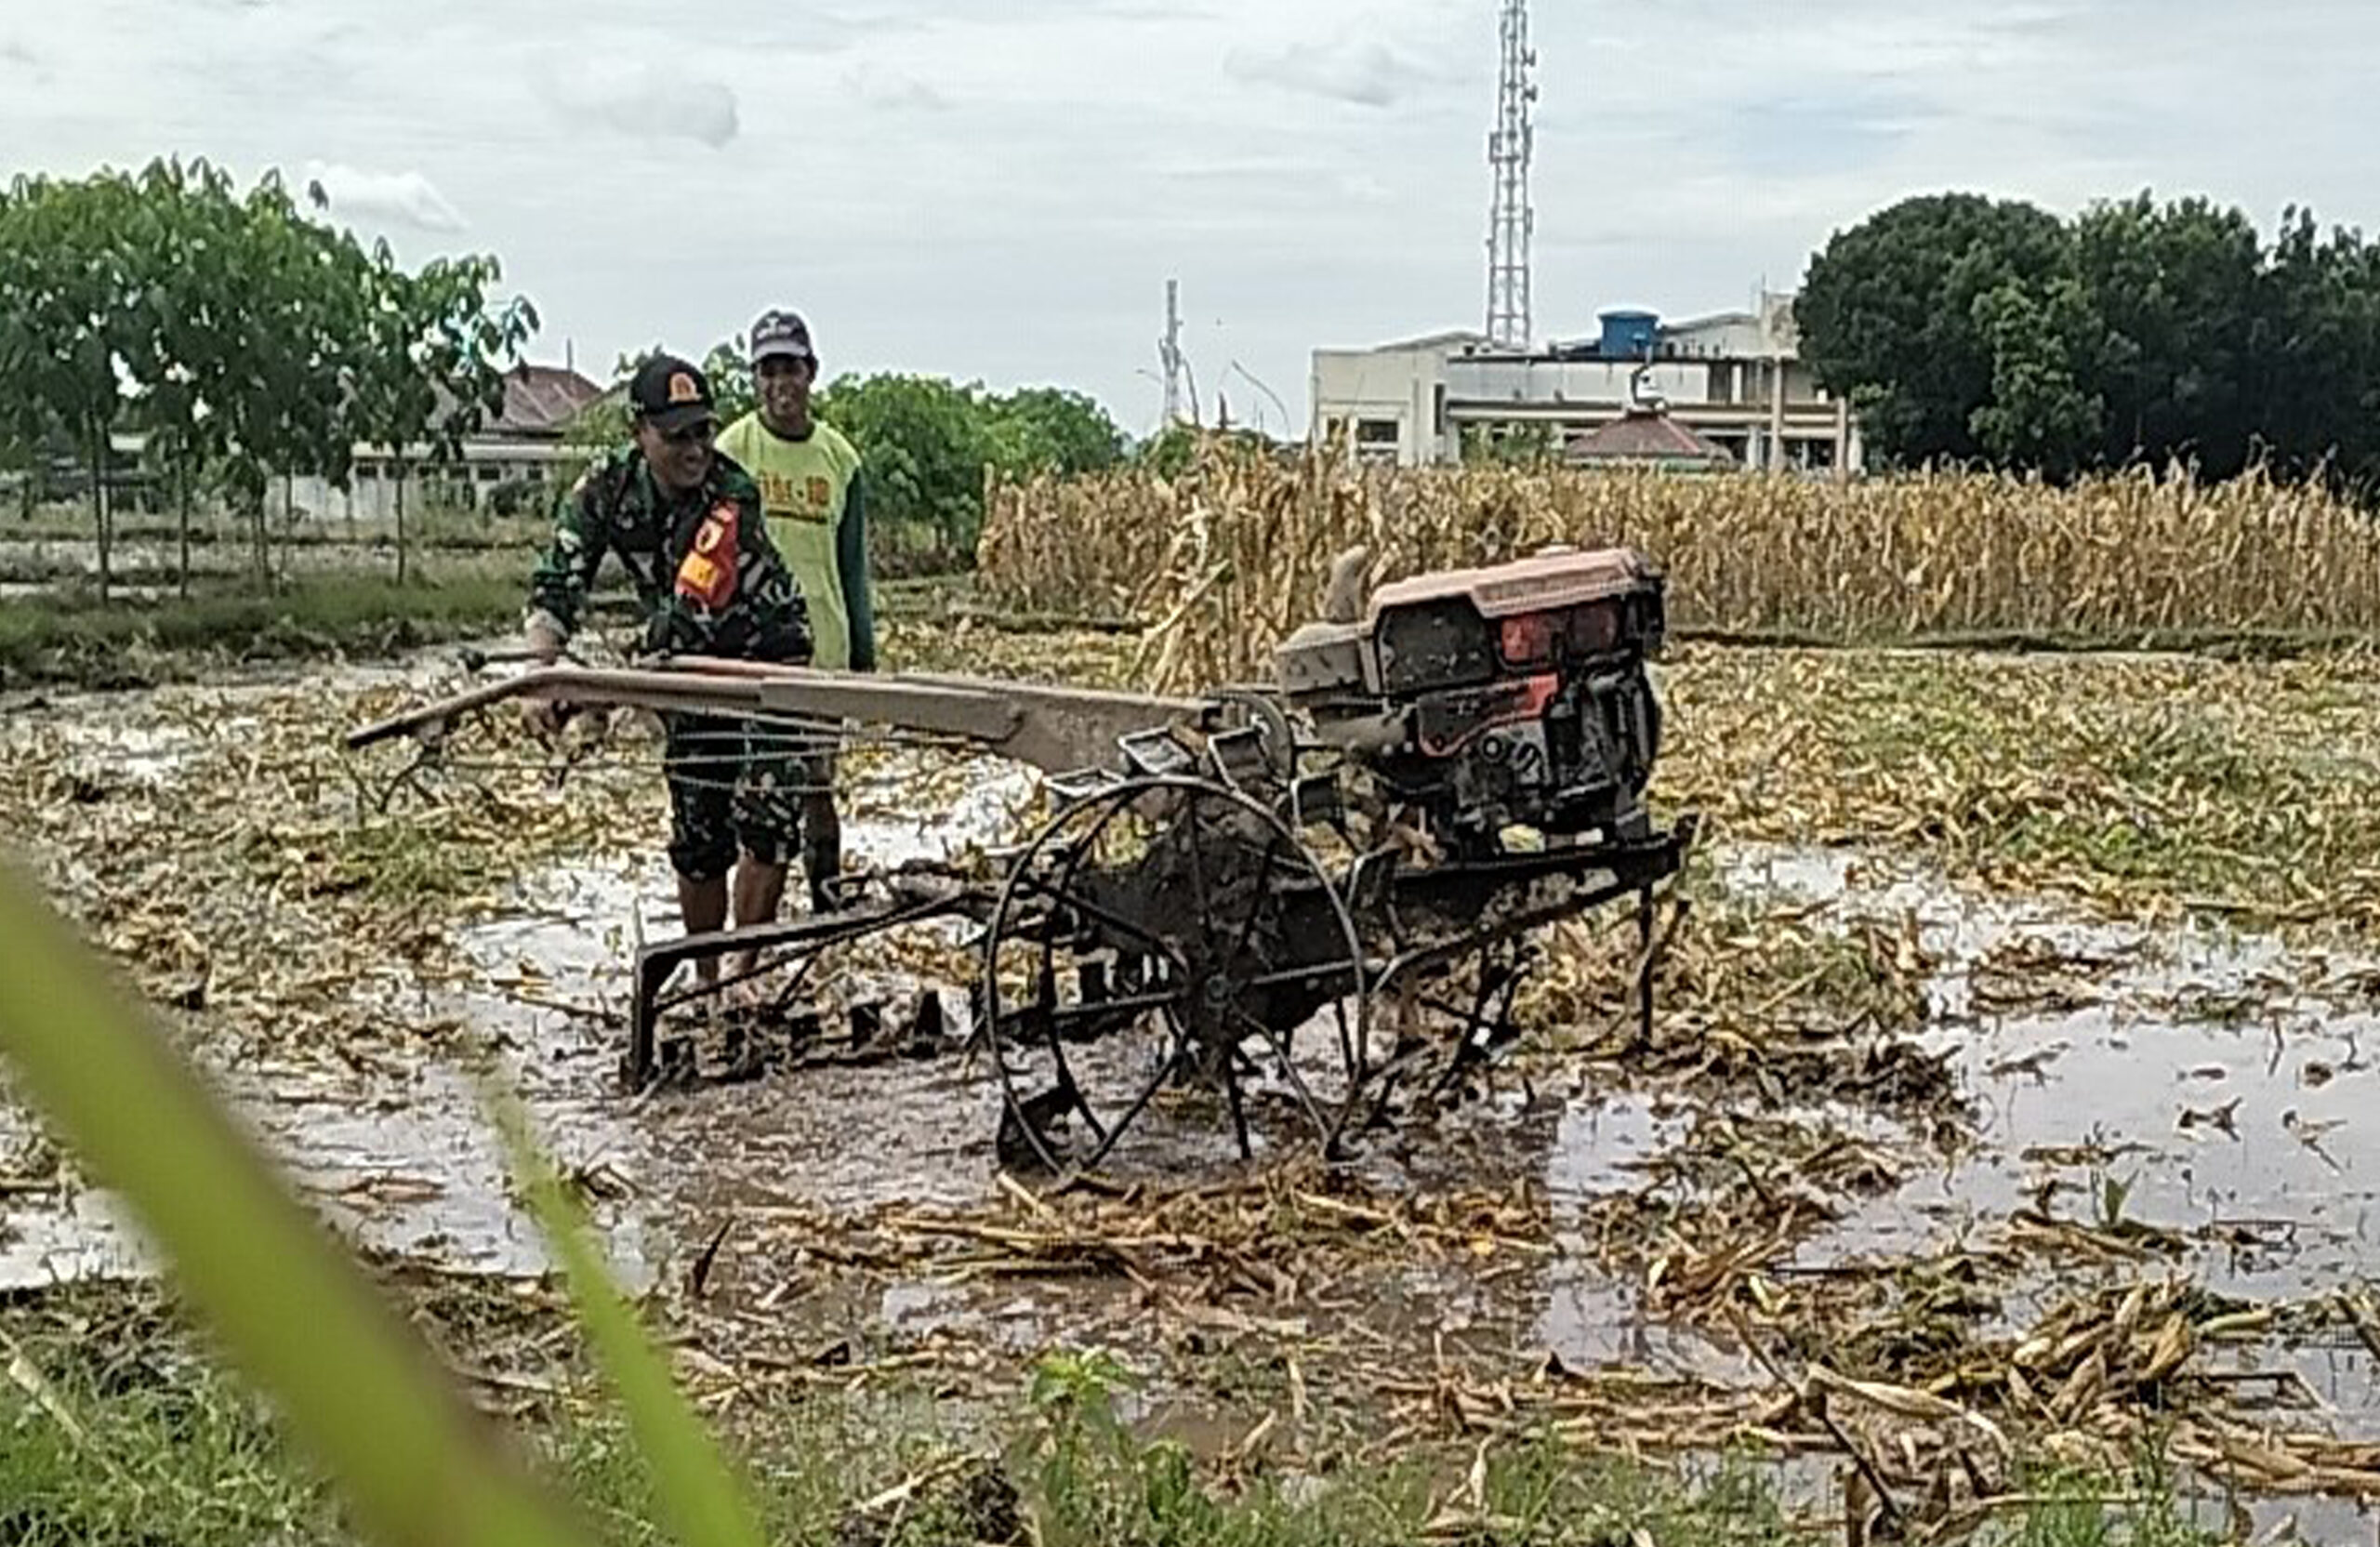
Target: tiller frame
[[1180, 877]]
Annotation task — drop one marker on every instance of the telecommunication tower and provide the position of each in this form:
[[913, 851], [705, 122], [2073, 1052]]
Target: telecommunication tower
[[1511, 220], [1169, 352]]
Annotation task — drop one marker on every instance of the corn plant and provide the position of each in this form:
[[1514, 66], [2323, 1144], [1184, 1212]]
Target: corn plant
[[1225, 560]]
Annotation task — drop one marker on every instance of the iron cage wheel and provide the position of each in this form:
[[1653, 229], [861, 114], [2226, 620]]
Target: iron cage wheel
[[1189, 917]]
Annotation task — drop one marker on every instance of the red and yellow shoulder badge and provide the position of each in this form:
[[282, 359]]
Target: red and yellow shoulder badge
[[708, 573]]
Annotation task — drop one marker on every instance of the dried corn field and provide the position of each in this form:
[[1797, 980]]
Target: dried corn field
[[2002, 1113], [1228, 558]]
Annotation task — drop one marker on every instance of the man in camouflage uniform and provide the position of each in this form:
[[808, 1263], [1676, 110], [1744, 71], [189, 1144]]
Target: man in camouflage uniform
[[686, 524]]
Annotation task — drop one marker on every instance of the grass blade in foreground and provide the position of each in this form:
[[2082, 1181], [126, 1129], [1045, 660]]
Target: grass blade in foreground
[[361, 1393], [705, 1505]]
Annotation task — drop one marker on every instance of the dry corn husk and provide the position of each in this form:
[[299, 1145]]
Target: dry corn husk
[[1233, 554]]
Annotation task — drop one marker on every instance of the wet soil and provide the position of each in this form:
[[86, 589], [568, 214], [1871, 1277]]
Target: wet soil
[[2176, 1104]]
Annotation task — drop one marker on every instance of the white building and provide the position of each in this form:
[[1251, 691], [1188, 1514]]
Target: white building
[[522, 444], [1735, 379]]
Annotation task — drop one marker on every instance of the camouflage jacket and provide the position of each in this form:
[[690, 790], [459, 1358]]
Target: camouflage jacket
[[697, 598]]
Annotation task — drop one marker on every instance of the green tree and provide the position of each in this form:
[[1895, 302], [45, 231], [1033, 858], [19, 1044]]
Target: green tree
[[22, 430], [190, 321], [2138, 333], [2315, 351], [431, 369], [1888, 314], [926, 442], [280, 381], [2170, 295], [27, 430], [2041, 413], [1039, 429], [729, 370], [67, 318], [1520, 446]]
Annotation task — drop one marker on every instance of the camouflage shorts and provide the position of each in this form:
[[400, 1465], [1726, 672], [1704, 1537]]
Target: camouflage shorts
[[734, 787]]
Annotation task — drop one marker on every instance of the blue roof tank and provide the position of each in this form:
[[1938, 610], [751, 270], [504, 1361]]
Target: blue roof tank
[[1629, 335]]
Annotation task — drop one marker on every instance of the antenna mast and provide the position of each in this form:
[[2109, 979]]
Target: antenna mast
[[1169, 352], [1511, 220]]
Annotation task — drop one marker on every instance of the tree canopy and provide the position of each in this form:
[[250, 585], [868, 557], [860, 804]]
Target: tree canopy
[[1971, 329], [925, 441], [244, 338]]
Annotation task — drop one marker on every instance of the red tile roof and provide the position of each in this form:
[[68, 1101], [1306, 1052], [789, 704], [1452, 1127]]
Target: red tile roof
[[542, 400], [1638, 436]]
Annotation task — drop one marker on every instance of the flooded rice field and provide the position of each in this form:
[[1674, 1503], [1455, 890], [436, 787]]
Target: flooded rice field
[[1983, 1163]]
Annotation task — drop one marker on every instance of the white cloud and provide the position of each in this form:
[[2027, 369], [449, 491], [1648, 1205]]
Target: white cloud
[[1368, 75], [1312, 175], [405, 197], [897, 89], [645, 99]]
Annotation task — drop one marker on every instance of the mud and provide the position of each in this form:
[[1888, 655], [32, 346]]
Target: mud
[[2201, 1095], [2249, 1132], [2170, 1092], [407, 1161]]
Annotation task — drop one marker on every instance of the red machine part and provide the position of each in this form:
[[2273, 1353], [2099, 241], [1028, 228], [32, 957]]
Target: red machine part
[[1535, 638], [1512, 703]]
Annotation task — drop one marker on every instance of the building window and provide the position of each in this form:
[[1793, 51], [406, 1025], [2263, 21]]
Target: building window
[[1376, 432]]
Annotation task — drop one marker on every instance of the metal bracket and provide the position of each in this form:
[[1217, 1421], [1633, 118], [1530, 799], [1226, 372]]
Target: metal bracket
[[1155, 753]]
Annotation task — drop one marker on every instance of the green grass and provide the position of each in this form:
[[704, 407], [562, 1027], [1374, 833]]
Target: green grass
[[158, 1455], [172, 1451], [434, 529], [78, 641]]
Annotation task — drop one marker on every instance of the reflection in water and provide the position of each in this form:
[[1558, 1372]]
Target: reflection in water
[[408, 1163], [2190, 1089]]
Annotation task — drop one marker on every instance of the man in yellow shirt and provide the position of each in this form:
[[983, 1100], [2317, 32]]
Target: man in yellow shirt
[[813, 499]]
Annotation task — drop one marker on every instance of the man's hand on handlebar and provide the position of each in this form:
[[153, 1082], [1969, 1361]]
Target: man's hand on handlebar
[[542, 642], [544, 717]]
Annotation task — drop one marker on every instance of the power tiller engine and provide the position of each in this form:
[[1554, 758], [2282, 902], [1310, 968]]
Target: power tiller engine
[[1487, 699]]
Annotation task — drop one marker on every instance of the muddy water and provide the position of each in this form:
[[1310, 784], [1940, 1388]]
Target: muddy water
[[550, 984], [2218, 1108], [2134, 1078], [405, 1158], [2189, 1093], [2239, 1130], [400, 1153]]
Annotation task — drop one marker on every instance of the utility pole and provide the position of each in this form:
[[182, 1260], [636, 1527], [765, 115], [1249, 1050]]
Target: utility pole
[[1511, 220], [1169, 352]]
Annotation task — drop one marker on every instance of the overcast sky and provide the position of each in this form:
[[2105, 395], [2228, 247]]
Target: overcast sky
[[1003, 199]]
